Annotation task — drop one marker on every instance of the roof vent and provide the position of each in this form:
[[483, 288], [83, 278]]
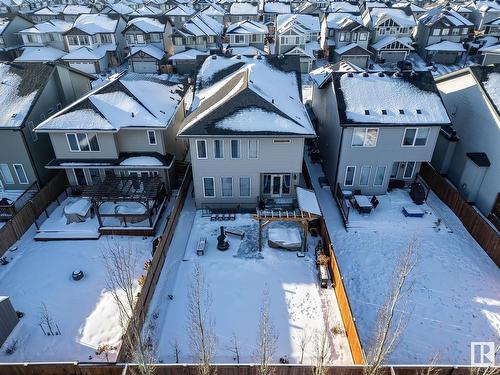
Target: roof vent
[[384, 111], [367, 112], [419, 111], [238, 57], [365, 74], [259, 56], [162, 111], [272, 101], [350, 75], [398, 75], [381, 74], [401, 111], [214, 57], [133, 115]]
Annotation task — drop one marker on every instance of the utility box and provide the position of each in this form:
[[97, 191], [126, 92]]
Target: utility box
[[8, 318]]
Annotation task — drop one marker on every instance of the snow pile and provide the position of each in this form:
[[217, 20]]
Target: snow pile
[[492, 87], [141, 161], [392, 94], [287, 238], [14, 107], [79, 207]]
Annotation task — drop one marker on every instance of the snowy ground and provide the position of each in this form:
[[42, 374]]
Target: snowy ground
[[456, 295], [237, 279], [84, 311]]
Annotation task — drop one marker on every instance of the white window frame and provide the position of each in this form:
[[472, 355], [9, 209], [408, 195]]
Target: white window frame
[[78, 142], [365, 138], [198, 150], [6, 181], [203, 186], [222, 187], [257, 143], [353, 176], [415, 137], [24, 173], [222, 149], [239, 148], [84, 175], [412, 170], [376, 173], [154, 136], [361, 174], [249, 187]]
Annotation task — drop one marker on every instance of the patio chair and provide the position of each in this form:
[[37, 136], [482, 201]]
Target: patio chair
[[375, 203]]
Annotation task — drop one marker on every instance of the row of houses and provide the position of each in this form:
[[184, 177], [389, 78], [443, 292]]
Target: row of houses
[[244, 127]]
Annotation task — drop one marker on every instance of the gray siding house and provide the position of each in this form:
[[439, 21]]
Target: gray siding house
[[127, 128], [246, 130], [468, 153], [9, 27], [31, 92], [377, 128]]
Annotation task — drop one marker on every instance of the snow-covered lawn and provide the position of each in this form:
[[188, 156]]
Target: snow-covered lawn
[[237, 279], [456, 295], [84, 311]]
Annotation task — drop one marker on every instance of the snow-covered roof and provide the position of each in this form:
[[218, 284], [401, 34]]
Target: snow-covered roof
[[348, 47], [52, 26], [446, 45], [120, 8], [49, 11], [340, 21], [180, 10], [245, 51], [487, 6], [414, 8], [202, 25], [405, 41], [146, 11], [304, 22], [446, 15], [147, 24], [86, 53], [148, 49], [76, 10], [141, 161], [247, 27], [244, 8], [135, 100], [405, 98], [307, 201], [95, 23], [4, 22], [40, 54], [492, 87], [343, 6], [277, 7], [322, 74], [189, 54], [256, 98], [214, 10], [399, 15]]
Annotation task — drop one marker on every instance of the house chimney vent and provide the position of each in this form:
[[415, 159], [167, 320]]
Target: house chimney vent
[[350, 75], [214, 57], [365, 74]]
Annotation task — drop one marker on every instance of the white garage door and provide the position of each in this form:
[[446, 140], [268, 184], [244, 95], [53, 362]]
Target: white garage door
[[87, 67], [144, 67]]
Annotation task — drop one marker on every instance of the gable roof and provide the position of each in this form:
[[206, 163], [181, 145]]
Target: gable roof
[[242, 96], [489, 79], [244, 9], [149, 50], [52, 26], [180, 10], [301, 22], [402, 16], [146, 24], [342, 21], [445, 15], [247, 27], [95, 23], [201, 25]]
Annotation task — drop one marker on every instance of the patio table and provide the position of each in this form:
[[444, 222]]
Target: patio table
[[364, 204]]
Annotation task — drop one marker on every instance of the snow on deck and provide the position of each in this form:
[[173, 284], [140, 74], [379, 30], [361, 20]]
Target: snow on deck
[[492, 86], [237, 279], [456, 297], [84, 311]]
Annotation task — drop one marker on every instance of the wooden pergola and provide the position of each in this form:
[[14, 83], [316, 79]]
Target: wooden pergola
[[267, 216]]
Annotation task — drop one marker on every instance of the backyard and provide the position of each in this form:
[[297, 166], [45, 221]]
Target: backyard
[[237, 279], [455, 294]]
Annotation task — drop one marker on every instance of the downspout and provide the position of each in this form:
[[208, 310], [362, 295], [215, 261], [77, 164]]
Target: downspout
[[338, 161], [39, 181]]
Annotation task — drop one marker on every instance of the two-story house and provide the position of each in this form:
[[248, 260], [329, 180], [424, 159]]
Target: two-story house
[[72, 11], [246, 37], [483, 13], [271, 10], [441, 33], [9, 29], [47, 13], [216, 12], [29, 93], [375, 129], [298, 34], [246, 129], [95, 42], [180, 14], [201, 32], [345, 38], [391, 32], [240, 11], [467, 152], [126, 127]]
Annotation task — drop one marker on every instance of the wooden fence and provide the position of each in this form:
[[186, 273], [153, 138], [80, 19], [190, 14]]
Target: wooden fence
[[26, 216], [158, 260], [232, 369], [357, 352], [482, 231]]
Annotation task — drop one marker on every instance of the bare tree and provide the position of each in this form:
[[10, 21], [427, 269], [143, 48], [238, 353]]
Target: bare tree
[[389, 324], [304, 339], [322, 353], [120, 262], [234, 348], [201, 327], [177, 350], [267, 339], [487, 370], [46, 321]]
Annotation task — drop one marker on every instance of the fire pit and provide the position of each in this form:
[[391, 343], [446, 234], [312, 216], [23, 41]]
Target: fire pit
[[222, 244], [77, 275]]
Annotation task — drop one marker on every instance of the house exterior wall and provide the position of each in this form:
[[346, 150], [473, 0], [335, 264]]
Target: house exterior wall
[[476, 124], [107, 144], [10, 33], [133, 140], [14, 151], [272, 158]]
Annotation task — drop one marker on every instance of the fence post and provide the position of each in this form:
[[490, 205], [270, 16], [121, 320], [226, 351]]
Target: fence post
[[34, 214]]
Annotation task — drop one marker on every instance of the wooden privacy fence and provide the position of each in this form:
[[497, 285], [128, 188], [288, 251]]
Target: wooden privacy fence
[[147, 291], [26, 216], [482, 231], [357, 352]]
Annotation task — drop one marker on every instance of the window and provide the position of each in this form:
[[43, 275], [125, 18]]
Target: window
[[363, 36], [152, 137], [83, 142], [31, 127], [21, 174], [379, 176], [130, 38], [415, 137], [106, 38], [235, 148], [465, 31], [285, 189], [281, 141], [178, 41], [455, 31], [95, 176], [349, 176], [436, 32], [445, 31], [238, 39], [364, 175], [410, 166], [155, 37], [83, 39], [201, 149], [72, 40], [245, 187], [219, 149], [6, 174], [394, 170], [253, 149], [208, 187], [140, 38], [365, 137], [227, 186], [211, 39]]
